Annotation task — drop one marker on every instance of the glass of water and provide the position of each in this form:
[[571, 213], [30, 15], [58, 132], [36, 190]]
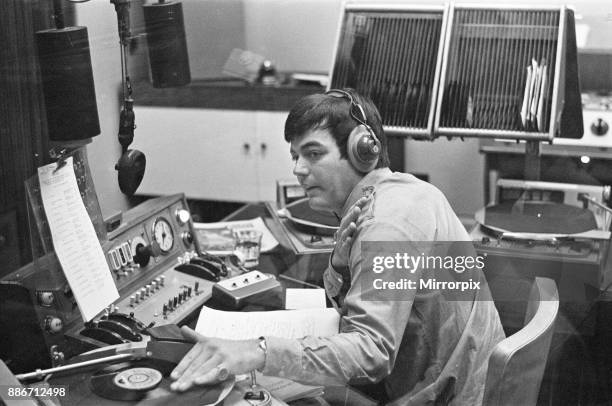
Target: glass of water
[[248, 246]]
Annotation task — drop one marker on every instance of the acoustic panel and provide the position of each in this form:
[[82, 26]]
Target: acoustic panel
[[392, 55]]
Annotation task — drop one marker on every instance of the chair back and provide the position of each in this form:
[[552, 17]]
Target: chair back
[[516, 365]]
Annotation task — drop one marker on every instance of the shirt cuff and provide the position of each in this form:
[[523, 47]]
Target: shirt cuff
[[284, 357], [343, 270]]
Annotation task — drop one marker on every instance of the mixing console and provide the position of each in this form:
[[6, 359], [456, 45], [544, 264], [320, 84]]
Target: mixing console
[[165, 299]]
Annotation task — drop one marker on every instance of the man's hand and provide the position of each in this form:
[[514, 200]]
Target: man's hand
[[212, 360], [344, 235]]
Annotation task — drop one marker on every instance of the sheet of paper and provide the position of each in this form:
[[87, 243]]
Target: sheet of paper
[[533, 110], [526, 98], [543, 84], [304, 298], [277, 323], [75, 241]]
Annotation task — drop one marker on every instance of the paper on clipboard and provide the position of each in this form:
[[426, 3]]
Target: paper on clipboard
[[75, 241], [217, 238]]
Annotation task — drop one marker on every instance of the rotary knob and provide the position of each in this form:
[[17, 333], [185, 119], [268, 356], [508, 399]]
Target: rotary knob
[[182, 216], [53, 324], [599, 127], [45, 298], [187, 238]]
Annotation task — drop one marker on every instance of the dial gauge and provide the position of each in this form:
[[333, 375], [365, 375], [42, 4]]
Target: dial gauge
[[163, 235]]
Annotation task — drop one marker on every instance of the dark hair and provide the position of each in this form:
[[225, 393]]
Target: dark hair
[[322, 111]]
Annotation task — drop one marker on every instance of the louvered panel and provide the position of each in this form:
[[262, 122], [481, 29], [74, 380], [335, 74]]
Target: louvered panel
[[500, 76], [392, 55]]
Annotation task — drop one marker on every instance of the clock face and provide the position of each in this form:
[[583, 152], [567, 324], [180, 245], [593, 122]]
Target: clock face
[[163, 235]]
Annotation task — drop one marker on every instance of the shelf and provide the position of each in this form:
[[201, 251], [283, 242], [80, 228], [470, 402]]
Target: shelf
[[223, 94]]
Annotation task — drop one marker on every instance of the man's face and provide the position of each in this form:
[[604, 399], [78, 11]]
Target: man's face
[[327, 179]]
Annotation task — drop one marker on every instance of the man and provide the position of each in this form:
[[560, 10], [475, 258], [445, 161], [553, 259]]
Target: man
[[423, 348]]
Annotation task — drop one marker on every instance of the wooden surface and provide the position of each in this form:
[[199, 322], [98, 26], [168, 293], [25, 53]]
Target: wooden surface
[[223, 94]]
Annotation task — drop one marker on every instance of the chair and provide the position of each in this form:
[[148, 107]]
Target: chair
[[516, 365]]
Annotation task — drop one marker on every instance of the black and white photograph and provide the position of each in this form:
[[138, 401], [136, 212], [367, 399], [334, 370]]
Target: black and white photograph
[[306, 202]]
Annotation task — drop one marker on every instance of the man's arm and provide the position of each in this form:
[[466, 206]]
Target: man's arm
[[211, 359], [370, 336], [364, 351]]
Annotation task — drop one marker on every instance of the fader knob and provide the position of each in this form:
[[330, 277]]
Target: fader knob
[[53, 324]]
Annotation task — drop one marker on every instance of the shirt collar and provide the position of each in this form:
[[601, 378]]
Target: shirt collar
[[365, 187]]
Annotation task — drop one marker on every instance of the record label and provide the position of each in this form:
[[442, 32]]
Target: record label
[[125, 381], [138, 378]]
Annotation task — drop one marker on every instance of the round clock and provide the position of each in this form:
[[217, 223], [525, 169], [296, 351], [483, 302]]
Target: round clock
[[163, 234]]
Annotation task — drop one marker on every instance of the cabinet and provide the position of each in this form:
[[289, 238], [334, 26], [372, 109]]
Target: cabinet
[[212, 154]]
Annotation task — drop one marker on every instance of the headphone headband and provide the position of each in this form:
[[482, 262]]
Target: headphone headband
[[363, 151], [354, 105]]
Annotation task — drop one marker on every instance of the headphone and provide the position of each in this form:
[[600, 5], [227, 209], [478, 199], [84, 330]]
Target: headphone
[[363, 146]]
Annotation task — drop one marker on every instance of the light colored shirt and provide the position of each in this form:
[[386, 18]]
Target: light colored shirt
[[425, 349]]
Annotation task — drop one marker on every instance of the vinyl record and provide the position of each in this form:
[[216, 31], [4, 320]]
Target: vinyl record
[[135, 382], [125, 381]]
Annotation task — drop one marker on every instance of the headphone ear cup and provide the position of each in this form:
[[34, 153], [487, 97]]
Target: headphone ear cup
[[363, 149]]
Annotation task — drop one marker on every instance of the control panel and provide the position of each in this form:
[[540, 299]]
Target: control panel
[[596, 141], [236, 291], [154, 238], [142, 253], [165, 299], [597, 132]]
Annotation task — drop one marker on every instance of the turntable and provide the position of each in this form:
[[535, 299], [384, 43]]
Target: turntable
[[555, 230], [307, 220], [131, 373], [553, 213], [309, 231]]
